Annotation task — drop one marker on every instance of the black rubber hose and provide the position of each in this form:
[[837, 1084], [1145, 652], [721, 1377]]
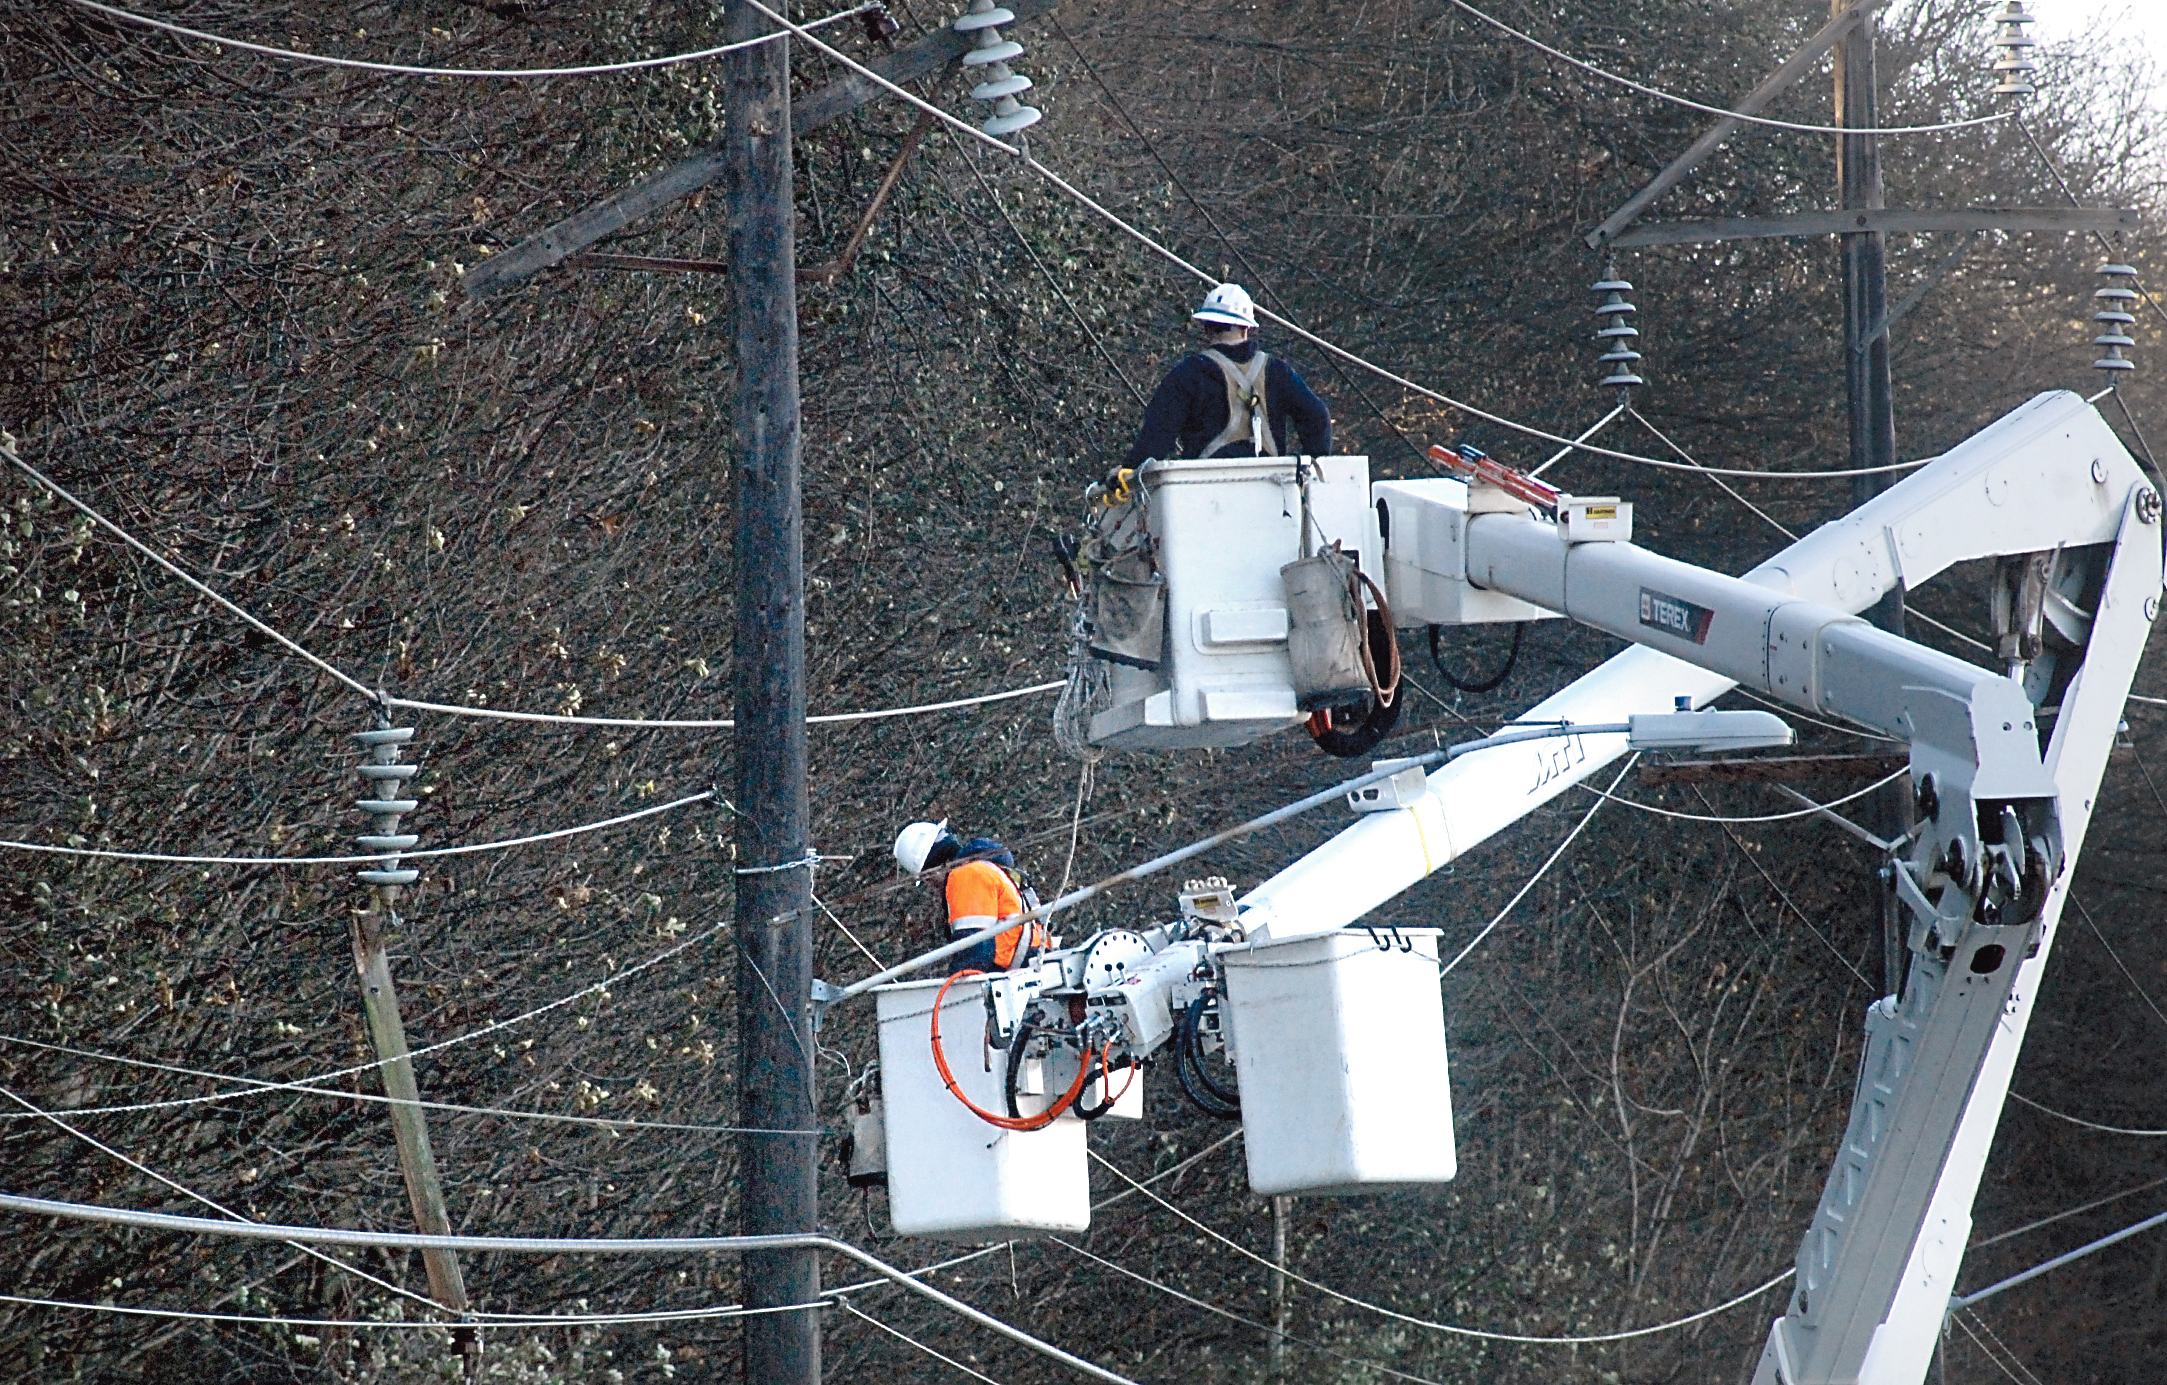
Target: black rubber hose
[[1196, 1084], [1195, 1027], [1199, 1098], [1092, 1113], [1491, 684], [1347, 743], [1015, 1067]]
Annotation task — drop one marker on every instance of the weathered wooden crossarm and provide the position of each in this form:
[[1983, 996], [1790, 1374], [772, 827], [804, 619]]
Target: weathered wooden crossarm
[[933, 53], [1706, 232]]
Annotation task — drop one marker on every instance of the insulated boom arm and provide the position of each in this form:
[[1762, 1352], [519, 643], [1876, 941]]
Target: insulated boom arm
[[1984, 875]]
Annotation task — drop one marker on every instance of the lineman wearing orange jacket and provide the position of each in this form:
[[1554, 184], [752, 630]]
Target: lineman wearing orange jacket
[[982, 890]]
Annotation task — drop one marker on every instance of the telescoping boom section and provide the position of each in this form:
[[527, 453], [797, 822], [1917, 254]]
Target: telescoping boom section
[[1279, 1009]]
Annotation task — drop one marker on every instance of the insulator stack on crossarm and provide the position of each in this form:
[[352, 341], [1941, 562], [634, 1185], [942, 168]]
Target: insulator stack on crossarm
[[2114, 316], [989, 60], [2013, 65], [387, 779], [1617, 334]]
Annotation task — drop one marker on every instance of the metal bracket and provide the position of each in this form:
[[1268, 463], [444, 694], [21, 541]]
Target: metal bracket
[[824, 994]]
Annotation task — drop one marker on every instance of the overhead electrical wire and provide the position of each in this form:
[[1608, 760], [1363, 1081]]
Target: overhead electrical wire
[[1753, 859], [2026, 1378], [1690, 104], [2088, 1248], [380, 698], [2044, 1109], [848, 1307], [493, 1321], [1540, 872], [1209, 1307], [2127, 975], [713, 724], [1118, 223], [7, 449], [998, 1246], [403, 70], [1248, 268], [551, 1246], [1687, 457], [374, 1098], [494, 1027], [468, 850], [1453, 1329], [2092, 1206], [185, 1191], [1762, 817]]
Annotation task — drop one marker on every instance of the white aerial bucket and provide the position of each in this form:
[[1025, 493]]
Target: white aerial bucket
[[1339, 1049], [951, 1174], [1221, 531]]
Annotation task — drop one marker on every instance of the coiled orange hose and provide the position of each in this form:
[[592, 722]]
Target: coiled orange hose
[[948, 1077]]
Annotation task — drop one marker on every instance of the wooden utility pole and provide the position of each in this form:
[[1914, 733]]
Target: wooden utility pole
[[1867, 386], [387, 1032], [777, 1173]]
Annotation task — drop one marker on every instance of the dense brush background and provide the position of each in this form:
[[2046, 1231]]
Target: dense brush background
[[229, 319]]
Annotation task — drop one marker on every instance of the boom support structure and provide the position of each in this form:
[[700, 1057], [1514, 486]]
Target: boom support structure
[[2005, 767], [1320, 1027]]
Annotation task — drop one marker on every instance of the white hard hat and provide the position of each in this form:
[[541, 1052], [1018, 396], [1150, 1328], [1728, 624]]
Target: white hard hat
[[915, 842], [1228, 305]]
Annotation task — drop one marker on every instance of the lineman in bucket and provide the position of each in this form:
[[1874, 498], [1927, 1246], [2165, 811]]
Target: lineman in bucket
[[983, 888], [1230, 399]]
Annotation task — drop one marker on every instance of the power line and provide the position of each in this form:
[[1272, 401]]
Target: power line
[[2088, 1248], [1170, 1172], [2127, 974], [1664, 438], [1769, 880], [2063, 1216], [188, 1192], [469, 1037], [2046, 1110], [1763, 817], [1914, 613], [1540, 872], [714, 724], [7, 450], [1046, 273], [560, 833], [1661, 95], [550, 1245], [1452, 1328], [495, 1321], [2027, 1378], [1232, 1316], [847, 1306], [333, 1093], [1112, 219], [1248, 268], [398, 69]]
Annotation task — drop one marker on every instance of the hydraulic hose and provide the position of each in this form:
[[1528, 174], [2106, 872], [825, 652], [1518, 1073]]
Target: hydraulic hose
[[1106, 1077], [948, 1076], [1479, 685], [1197, 1085]]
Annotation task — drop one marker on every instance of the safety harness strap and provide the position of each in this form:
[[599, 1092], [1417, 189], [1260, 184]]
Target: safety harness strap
[[1247, 412]]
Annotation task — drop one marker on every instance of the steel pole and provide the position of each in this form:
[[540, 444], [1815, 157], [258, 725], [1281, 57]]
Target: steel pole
[[778, 1174]]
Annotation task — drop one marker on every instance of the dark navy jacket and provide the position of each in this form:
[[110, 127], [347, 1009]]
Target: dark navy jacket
[[1189, 409]]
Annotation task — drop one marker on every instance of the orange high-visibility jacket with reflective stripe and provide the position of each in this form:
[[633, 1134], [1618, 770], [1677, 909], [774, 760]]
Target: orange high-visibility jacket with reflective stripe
[[980, 894]]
